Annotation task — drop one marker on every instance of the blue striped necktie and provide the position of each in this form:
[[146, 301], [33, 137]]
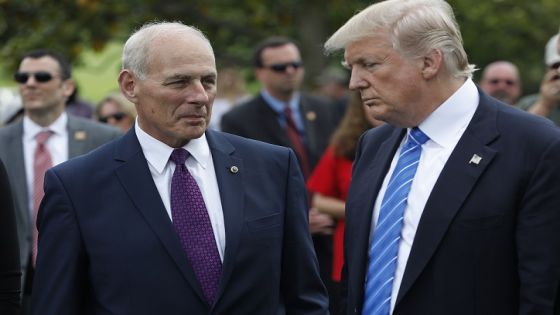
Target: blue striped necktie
[[384, 246]]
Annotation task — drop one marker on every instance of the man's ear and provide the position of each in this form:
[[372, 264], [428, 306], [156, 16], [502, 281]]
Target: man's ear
[[432, 64], [127, 84], [258, 73], [68, 87]]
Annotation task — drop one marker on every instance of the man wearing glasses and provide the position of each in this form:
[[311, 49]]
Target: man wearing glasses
[[45, 137], [500, 79], [547, 102], [280, 114]]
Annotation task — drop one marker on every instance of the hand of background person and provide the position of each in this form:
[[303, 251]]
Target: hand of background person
[[549, 96], [320, 223], [550, 88]]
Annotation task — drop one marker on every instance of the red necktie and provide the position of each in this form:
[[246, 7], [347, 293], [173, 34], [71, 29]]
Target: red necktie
[[297, 143], [42, 161]]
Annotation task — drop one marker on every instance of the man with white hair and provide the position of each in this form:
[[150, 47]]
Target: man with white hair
[[173, 218], [453, 204]]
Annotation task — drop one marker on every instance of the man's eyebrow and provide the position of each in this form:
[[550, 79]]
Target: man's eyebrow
[[345, 64]]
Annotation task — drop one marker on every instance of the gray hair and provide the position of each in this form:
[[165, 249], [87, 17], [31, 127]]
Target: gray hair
[[415, 28], [136, 51]]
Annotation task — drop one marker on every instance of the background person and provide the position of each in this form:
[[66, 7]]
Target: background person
[[500, 79], [46, 136], [116, 110], [547, 102], [431, 224]]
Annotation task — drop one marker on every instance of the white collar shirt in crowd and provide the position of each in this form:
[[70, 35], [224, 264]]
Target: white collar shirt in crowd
[[444, 127], [57, 144], [201, 167]]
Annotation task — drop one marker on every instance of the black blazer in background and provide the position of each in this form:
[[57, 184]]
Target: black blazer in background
[[10, 273], [107, 245], [488, 241], [255, 119]]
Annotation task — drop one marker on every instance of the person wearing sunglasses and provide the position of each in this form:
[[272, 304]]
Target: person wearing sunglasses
[[547, 102], [46, 136], [500, 79], [282, 114], [117, 111]]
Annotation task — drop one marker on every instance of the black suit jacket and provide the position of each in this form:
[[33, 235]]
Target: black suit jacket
[[107, 245], [488, 240], [255, 119]]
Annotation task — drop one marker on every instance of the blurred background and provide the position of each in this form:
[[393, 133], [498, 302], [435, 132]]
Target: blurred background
[[91, 32]]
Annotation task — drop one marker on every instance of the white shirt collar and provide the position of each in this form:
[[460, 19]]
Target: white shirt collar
[[31, 129], [157, 153], [453, 116]]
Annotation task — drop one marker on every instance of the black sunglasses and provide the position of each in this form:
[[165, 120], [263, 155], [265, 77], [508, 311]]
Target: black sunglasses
[[282, 67], [496, 81], [40, 76], [116, 116]]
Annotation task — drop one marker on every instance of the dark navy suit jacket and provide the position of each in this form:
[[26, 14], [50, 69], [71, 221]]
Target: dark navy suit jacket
[[488, 241], [107, 245]]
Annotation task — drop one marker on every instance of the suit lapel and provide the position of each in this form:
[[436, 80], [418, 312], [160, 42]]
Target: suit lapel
[[231, 188], [271, 126], [367, 191], [454, 184], [15, 164], [136, 179]]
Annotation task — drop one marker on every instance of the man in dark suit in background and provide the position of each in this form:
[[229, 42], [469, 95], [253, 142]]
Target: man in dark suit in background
[[281, 114], [45, 137], [174, 218], [454, 204]]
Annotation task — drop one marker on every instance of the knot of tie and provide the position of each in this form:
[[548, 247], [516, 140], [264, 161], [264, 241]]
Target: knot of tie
[[179, 156], [43, 136], [417, 137]]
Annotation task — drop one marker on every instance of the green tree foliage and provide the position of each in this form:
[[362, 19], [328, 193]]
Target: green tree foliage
[[515, 30]]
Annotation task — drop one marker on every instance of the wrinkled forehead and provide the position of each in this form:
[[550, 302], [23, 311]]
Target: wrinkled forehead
[[185, 51]]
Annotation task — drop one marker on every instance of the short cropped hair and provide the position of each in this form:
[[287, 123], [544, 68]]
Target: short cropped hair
[[270, 42], [415, 27], [63, 64], [136, 52]]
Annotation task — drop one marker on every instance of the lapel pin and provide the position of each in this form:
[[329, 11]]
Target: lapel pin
[[80, 135], [234, 169], [311, 115], [475, 159]]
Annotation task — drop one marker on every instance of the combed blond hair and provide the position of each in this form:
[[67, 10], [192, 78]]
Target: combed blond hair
[[415, 28]]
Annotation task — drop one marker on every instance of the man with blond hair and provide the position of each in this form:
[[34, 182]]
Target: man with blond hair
[[453, 204]]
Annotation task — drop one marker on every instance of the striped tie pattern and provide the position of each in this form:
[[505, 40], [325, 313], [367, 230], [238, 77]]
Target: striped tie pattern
[[384, 246]]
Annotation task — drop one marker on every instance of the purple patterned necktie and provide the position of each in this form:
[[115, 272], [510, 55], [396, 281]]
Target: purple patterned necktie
[[192, 223]]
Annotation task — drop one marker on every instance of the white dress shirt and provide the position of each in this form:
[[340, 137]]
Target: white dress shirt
[[444, 127], [201, 167], [57, 144]]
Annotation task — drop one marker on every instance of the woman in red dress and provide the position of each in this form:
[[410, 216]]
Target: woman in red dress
[[330, 179]]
